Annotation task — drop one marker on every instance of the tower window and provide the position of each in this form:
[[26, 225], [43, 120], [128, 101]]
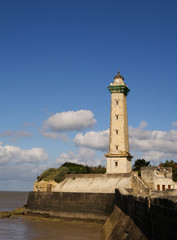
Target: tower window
[[117, 132], [117, 102], [116, 164], [117, 117], [116, 147]]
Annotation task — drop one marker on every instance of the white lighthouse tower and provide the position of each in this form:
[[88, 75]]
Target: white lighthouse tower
[[118, 158]]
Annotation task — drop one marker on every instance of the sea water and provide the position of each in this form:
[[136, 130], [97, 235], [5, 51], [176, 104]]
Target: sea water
[[25, 228]]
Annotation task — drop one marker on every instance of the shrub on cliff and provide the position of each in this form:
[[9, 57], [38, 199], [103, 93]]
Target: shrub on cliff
[[46, 174], [74, 168], [58, 174], [53, 174]]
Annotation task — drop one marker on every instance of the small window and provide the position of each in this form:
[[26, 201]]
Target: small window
[[163, 187], [117, 102], [116, 147], [117, 117], [169, 186], [117, 132], [116, 164], [158, 187]]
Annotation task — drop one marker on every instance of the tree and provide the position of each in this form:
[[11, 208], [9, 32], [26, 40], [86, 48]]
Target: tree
[[74, 168], [173, 165], [140, 163]]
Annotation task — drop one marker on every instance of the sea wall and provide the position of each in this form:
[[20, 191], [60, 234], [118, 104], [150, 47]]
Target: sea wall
[[120, 226], [156, 217], [126, 216], [97, 206]]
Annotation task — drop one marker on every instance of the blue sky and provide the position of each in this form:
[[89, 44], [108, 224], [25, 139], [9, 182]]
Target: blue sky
[[57, 59]]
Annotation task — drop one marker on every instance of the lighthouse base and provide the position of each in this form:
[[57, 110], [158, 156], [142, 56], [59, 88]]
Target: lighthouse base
[[118, 163]]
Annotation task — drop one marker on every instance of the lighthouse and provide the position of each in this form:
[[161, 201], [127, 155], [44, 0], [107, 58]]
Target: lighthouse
[[118, 157]]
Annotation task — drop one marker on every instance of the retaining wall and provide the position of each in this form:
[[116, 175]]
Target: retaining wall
[[97, 206]]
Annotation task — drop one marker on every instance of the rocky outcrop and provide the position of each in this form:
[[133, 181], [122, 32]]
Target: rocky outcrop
[[44, 186]]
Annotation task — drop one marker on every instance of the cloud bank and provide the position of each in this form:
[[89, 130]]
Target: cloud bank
[[21, 164], [151, 145], [154, 145], [25, 164]]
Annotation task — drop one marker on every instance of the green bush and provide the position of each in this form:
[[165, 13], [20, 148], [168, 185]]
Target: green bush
[[58, 174], [75, 168], [46, 173]]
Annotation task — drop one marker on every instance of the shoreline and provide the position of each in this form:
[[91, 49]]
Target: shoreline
[[16, 212], [36, 215]]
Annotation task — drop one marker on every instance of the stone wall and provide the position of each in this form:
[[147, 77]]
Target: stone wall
[[134, 217], [120, 226], [155, 217], [97, 206]]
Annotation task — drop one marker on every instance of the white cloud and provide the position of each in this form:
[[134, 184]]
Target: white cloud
[[174, 124], [95, 140], [14, 154], [143, 124], [14, 135], [84, 156], [70, 121], [54, 135]]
